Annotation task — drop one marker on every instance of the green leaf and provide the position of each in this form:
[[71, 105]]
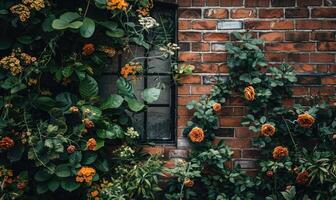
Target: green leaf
[[3, 12], [14, 154], [69, 185], [44, 103], [88, 87], [113, 101], [75, 158], [89, 158], [116, 33], [25, 39], [67, 20], [53, 184], [41, 188], [88, 27], [75, 25], [151, 94], [42, 176], [63, 171], [100, 144], [124, 87], [134, 104], [5, 43], [67, 71]]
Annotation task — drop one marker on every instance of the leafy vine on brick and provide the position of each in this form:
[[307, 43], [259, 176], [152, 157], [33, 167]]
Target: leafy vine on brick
[[296, 142]]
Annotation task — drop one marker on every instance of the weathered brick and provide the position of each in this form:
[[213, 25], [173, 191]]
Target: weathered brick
[[324, 12], [201, 89], [202, 47], [214, 57], [271, 13], [305, 68], [191, 79], [309, 3], [204, 24], [190, 36], [224, 132], [230, 121], [213, 3], [216, 37], [272, 36], [308, 24], [296, 13], [283, 3], [257, 25], [282, 25], [329, 80], [184, 46], [297, 36], [218, 47], [257, 3], [189, 57], [229, 25], [323, 36], [216, 13], [298, 57], [290, 46], [198, 2], [231, 2], [322, 58], [184, 24], [242, 13], [327, 46], [190, 13]]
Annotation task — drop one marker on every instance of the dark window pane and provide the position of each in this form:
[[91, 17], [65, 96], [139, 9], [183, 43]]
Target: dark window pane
[[159, 123], [107, 85], [165, 92]]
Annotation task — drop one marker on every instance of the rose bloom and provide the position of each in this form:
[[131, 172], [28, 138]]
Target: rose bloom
[[91, 144], [302, 178], [269, 173], [267, 130], [6, 143], [71, 149], [73, 109], [21, 185], [196, 135], [249, 93], [216, 107], [280, 152], [305, 120], [188, 183], [88, 123], [88, 49]]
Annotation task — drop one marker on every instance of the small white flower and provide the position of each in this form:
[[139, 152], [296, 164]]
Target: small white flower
[[147, 22], [169, 49]]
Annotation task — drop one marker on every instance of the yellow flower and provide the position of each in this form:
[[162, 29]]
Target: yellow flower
[[249, 93], [11, 63], [116, 5], [85, 174], [22, 11], [34, 4], [32, 82]]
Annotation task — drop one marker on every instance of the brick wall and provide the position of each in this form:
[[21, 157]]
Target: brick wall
[[299, 32]]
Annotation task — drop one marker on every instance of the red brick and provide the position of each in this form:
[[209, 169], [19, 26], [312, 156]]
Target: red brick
[[282, 25], [216, 36], [283, 3], [299, 91], [322, 68], [190, 13], [231, 2], [308, 24], [206, 68], [275, 56], [242, 13], [309, 3], [251, 153], [290, 47], [153, 150], [230, 121], [203, 47], [272, 36], [189, 36], [328, 24], [213, 3], [323, 91], [184, 24], [304, 68], [216, 13], [257, 25], [214, 57], [189, 57], [204, 24], [297, 36], [324, 12], [184, 3], [238, 143], [198, 2], [322, 58], [297, 13], [327, 46], [271, 13], [243, 132], [323, 36], [183, 89], [330, 80], [183, 111], [184, 100], [298, 57], [256, 3], [201, 89], [192, 79], [182, 120]]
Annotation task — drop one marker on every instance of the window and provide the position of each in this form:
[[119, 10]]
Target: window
[[157, 123]]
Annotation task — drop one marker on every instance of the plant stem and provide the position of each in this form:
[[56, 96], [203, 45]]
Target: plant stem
[[290, 133]]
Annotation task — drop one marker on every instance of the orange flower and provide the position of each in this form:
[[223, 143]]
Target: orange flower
[[144, 11], [280, 152], [71, 149], [196, 135], [216, 107], [94, 193], [88, 123], [305, 120], [6, 143], [91, 144], [85, 174], [267, 130], [188, 183], [116, 5], [130, 69], [88, 49], [73, 109], [302, 178], [249, 93]]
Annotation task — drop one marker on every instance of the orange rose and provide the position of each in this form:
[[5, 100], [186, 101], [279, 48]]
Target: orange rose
[[216, 107], [6, 143], [267, 130], [88, 49], [280, 152], [91, 144], [188, 183], [305, 120], [302, 178], [249, 93], [196, 135]]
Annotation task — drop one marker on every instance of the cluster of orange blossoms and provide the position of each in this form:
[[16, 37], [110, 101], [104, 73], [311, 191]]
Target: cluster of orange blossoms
[[85, 174], [116, 5], [249, 93], [6, 143], [94, 194], [14, 62], [131, 69], [216, 107], [91, 144], [88, 123], [280, 152], [196, 135], [144, 11], [302, 178], [267, 130], [22, 10], [88, 49]]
